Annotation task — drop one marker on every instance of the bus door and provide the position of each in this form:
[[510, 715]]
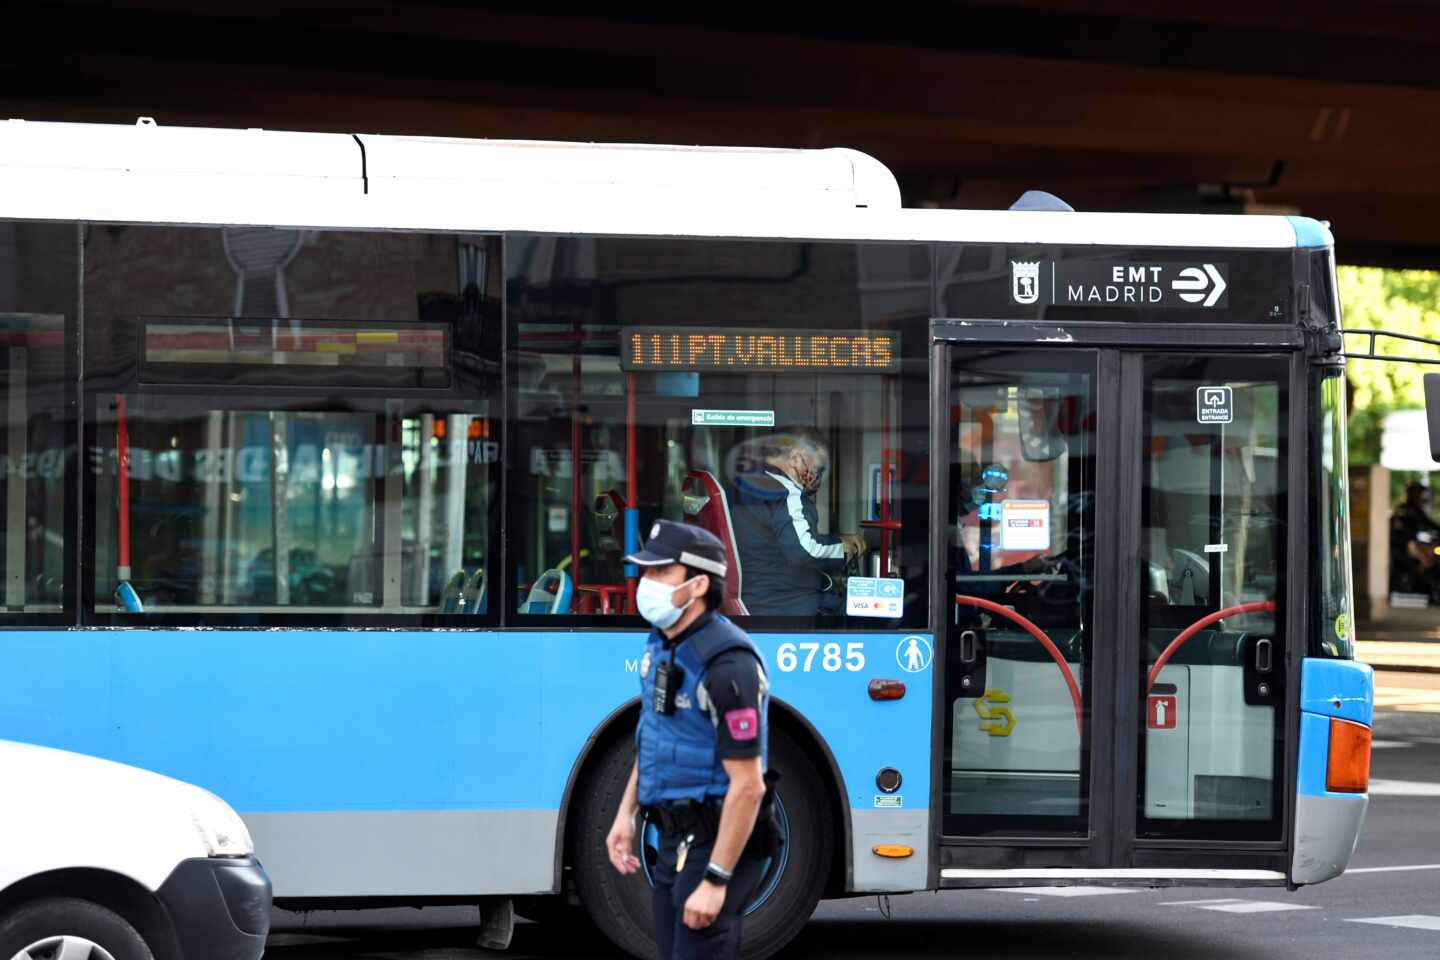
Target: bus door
[[1212, 572], [1114, 544], [1020, 641]]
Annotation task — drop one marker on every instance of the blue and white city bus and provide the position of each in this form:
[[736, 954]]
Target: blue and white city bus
[[322, 453]]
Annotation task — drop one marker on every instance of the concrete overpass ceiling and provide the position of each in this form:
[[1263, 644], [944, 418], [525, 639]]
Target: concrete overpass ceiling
[[1324, 108]]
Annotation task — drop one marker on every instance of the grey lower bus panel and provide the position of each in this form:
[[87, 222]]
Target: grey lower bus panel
[[877, 874], [435, 853], [1326, 831]]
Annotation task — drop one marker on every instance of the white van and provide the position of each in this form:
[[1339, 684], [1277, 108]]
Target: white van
[[107, 862]]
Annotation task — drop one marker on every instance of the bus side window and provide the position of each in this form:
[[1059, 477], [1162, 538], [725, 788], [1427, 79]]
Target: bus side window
[[307, 450], [753, 388]]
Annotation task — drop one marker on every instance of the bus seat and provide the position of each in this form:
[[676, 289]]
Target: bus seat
[[706, 506], [550, 594], [450, 596], [472, 598], [127, 599]]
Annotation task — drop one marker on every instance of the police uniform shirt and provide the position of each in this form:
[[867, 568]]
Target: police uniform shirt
[[730, 694], [732, 689]]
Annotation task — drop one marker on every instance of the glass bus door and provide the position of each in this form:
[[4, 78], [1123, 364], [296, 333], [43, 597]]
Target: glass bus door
[[1115, 542], [1020, 555], [1213, 565]]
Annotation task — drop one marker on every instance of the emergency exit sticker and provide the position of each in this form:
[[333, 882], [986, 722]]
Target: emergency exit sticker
[[732, 418], [1161, 713], [1025, 525], [874, 597]]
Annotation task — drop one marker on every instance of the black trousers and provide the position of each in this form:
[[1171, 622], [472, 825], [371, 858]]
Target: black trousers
[[720, 940]]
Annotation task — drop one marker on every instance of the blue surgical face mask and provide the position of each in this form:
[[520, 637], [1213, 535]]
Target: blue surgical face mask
[[656, 602]]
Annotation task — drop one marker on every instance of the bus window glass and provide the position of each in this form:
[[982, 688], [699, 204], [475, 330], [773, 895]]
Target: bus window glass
[[1020, 556], [38, 267], [1213, 566], [1336, 607], [770, 392], [313, 440]]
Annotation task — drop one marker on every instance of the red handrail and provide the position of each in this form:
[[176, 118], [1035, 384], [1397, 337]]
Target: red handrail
[[1046, 642], [1256, 606]]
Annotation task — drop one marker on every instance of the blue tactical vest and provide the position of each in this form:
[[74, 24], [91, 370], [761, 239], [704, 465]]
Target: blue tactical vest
[[676, 754]]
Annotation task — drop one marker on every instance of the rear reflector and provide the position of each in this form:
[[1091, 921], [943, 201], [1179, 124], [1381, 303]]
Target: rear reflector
[[886, 689], [894, 851], [1349, 768]]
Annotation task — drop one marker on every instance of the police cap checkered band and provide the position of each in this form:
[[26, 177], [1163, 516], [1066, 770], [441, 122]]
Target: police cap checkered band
[[672, 542]]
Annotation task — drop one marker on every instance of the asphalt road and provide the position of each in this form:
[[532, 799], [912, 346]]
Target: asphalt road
[[1379, 908]]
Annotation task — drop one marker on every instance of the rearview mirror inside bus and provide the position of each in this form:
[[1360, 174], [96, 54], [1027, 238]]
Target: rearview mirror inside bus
[[1042, 410], [1432, 412]]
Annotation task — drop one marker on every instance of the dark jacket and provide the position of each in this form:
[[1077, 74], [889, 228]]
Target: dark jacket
[[784, 558]]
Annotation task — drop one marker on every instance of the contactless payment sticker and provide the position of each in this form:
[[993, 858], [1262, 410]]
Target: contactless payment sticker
[[874, 597]]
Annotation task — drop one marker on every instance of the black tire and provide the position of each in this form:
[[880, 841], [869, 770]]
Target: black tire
[[553, 911], [36, 922], [620, 906]]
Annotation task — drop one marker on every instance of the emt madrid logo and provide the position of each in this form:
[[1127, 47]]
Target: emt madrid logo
[[1133, 284], [1025, 280]]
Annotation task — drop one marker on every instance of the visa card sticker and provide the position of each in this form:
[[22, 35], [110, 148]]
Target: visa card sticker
[[874, 597]]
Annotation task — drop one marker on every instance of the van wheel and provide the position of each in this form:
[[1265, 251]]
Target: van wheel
[[49, 929], [620, 906]]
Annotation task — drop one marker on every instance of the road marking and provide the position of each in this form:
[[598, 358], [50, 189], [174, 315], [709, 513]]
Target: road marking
[[1232, 905], [1414, 921], [1413, 866], [1404, 788], [1063, 891], [1389, 744]]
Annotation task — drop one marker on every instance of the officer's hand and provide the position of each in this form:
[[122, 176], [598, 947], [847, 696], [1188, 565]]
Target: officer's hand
[[703, 906], [854, 544], [620, 844]]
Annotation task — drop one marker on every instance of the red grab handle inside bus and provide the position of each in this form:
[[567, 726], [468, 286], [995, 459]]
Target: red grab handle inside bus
[[1046, 642], [1257, 606]]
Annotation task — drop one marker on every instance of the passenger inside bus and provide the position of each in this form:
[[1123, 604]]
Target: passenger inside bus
[[791, 567]]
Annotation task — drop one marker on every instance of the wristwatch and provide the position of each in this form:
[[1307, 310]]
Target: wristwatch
[[716, 874]]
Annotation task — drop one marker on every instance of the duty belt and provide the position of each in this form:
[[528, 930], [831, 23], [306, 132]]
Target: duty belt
[[685, 816]]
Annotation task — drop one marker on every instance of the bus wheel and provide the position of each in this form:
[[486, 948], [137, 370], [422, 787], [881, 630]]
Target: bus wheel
[[793, 881]]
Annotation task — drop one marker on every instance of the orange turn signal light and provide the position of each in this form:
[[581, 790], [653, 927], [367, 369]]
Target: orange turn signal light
[[1348, 770], [886, 689], [894, 851]]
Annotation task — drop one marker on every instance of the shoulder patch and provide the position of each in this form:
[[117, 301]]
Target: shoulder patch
[[743, 724]]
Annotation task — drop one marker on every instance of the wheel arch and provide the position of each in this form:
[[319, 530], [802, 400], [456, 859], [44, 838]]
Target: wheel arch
[[114, 891], [621, 722]]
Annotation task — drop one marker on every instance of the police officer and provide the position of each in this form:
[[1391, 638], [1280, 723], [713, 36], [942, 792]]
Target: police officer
[[700, 750]]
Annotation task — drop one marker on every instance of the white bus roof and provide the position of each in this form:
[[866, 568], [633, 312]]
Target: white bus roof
[[152, 174]]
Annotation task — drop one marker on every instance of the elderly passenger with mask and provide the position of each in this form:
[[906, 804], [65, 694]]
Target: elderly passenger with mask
[[786, 559]]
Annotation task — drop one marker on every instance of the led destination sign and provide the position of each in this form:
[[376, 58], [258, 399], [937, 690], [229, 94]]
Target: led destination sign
[[756, 349]]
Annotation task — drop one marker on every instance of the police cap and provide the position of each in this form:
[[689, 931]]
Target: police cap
[[672, 542]]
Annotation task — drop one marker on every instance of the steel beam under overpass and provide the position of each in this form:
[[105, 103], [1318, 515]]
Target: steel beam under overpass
[[1114, 104]]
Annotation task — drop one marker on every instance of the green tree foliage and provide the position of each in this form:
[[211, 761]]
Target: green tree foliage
[[1404, 301]]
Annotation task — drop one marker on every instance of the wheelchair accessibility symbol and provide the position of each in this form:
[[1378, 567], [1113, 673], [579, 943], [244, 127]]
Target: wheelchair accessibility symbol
[[913, 654]]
